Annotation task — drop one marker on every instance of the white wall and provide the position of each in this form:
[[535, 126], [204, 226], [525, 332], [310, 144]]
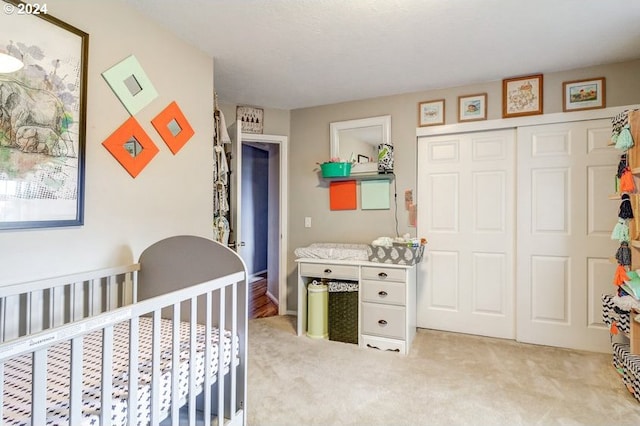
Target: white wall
[[171, 196]]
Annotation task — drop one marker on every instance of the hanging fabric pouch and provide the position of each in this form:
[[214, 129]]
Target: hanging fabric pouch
[[624, 141]]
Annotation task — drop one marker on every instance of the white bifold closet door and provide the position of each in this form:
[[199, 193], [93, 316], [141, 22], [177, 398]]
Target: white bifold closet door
[[565, 177], [466, 187]]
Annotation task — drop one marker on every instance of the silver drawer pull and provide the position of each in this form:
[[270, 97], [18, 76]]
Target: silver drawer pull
[[375, 347], [382, 293], [327, 271], [382, 322], [382, 275]]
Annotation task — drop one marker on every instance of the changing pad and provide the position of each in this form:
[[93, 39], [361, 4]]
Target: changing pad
[[333, 251]]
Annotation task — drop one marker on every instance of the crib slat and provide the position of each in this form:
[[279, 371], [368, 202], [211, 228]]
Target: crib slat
[[234, 348], [36, 321], [221, 327], [38, 391], [107, 373], [175, 357], [155, 369], [27, 312], [91, 296], [57, 306], [207, 362], [192, 360], [1, 391], [3, 316], [132, 402], [112, 293], [75, 385]]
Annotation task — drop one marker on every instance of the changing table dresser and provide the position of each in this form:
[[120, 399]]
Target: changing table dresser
[[386, 299]]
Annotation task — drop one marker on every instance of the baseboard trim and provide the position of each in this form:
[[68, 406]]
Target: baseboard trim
[[273, 298]]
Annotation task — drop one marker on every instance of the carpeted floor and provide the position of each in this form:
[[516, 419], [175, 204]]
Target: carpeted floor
[[447, 379]]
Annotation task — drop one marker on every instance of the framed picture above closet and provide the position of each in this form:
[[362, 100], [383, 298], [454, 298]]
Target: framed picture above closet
[[579, 95], [522, 96]]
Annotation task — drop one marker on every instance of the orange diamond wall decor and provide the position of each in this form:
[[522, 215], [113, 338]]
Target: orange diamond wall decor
[[173, 127], [131, 146]]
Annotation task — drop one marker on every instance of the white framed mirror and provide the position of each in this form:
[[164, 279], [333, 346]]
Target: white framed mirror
[[358, 140]]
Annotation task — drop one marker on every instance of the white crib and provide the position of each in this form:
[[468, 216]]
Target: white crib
[[102, 347]]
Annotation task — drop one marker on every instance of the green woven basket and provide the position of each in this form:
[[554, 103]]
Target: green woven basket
[[343, 316]]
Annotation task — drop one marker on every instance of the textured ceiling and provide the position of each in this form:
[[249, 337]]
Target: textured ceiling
[[293, 54]]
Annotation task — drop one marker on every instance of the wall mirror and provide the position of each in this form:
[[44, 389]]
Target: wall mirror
[[357, 141]]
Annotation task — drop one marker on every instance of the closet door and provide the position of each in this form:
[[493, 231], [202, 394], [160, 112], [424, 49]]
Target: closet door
[[565, 218], [466, 209]]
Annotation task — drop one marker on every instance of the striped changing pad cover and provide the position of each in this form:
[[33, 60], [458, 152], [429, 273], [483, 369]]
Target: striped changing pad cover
[[17, 375]]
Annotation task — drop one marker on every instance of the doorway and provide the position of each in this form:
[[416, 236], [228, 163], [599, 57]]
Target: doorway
[[260, 195], [274, 175]]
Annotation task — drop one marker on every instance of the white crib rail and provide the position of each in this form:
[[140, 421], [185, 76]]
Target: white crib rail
[[225, 290], [30, 307]]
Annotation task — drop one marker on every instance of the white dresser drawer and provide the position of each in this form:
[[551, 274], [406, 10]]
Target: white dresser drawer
[[345, 272], [382, 273], [391, 293], [383, 320], [384, 344]]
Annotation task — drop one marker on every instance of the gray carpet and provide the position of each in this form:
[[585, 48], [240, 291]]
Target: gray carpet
[[447, 379]]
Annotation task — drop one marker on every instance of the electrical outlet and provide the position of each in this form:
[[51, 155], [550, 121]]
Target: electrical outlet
[[307, 222]]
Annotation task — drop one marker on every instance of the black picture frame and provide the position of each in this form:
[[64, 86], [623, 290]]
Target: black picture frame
[[42, 119]]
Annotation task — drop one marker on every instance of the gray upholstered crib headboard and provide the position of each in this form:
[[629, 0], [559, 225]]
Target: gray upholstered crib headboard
[[181, 261]]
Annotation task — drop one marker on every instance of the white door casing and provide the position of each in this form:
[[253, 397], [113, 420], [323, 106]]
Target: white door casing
[[237, 139], [465, 194], [565, 176]]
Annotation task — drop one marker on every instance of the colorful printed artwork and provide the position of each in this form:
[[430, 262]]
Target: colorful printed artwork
[[583, 94], [522, 96], [42, 128]]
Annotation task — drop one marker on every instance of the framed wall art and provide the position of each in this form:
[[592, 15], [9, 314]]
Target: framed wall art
[[252, 119], [472, 107], [522, 96], [431, 113], [42, 131], [579, 95]]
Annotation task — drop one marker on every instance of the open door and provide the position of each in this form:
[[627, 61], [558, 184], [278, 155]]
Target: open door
[[235, 180]]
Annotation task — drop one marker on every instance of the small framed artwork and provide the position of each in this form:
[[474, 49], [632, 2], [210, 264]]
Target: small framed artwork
[[579, 95], [431, 113], [522, 96], [472, 107], [252, 119]]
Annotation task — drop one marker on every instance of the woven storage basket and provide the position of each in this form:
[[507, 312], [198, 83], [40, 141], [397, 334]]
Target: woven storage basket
[[343, 312], [399, 255]]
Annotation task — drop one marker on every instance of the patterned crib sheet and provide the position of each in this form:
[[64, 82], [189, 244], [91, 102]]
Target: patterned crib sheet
[[17, 386]]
